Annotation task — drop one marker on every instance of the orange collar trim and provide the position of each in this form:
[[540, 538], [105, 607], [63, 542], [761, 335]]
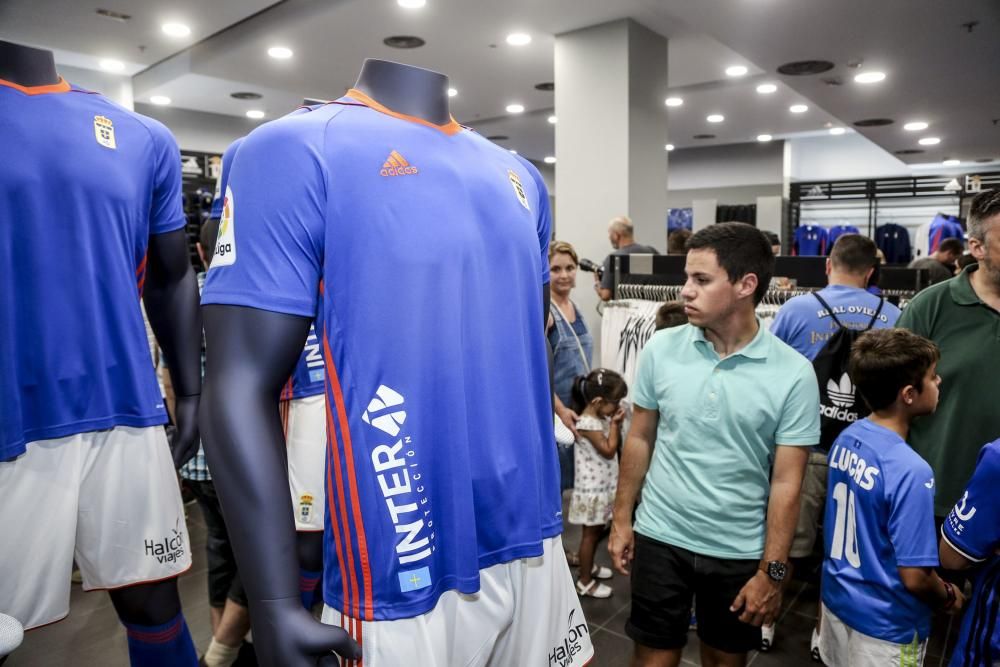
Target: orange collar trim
[[61, 87], [449, 128]]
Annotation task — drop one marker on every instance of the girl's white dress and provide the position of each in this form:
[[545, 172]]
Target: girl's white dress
[[596, 478]]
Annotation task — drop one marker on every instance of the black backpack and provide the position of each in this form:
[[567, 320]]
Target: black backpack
[[839, 402]]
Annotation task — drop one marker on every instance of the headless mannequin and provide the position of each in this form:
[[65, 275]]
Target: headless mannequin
[[171, 299], [253, 352]]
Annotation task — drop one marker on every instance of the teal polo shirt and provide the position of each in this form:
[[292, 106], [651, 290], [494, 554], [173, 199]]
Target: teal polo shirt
[[720, 419], [968, 413]]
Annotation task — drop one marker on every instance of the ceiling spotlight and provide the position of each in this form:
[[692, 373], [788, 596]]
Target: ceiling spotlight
[[280, 52], [766, 88], [513, 151], [518, 39], [256, 114], [870, 77], [175, 29], [111, 65], [411, 4], [915, 126], [673, 101], [452, 92], [798, 108], [736, 70], [549, 159], [951, 163], [929, 141], [715, 118], [160, 100], [669, 147], [837, 131], [515, 108], [553, 120], [764, 138]]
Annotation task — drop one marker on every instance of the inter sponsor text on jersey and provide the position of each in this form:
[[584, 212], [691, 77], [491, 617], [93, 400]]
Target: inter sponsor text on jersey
[[973, 529], [441, 458], [83, 184], [879, 517]]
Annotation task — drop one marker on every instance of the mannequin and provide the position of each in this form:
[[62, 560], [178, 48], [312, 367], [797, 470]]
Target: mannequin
[[171, 299], [252, 353]]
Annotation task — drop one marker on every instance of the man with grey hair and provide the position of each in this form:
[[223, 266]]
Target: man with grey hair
[[962, 315], [621, 234]]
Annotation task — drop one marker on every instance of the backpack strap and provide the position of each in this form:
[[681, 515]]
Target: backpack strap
[[881, 302], [829, 309]]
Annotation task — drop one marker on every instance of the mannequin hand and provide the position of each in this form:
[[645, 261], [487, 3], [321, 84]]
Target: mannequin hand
[[286, 635], [184, 444]]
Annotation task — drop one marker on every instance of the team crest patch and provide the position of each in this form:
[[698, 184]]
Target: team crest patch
[[305, 508], [515, 182], [225, 246], [104, 132]]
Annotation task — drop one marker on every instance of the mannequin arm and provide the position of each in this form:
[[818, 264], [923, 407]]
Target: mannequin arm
[[171, 297], [251, 353]]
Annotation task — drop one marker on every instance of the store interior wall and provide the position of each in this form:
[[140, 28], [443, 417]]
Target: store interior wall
[[198, 130]]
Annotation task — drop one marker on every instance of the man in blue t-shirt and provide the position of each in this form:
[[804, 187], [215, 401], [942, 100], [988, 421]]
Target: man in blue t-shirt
[[970, 537], [879, 583]]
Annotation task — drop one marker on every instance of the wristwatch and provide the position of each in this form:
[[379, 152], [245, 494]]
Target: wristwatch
[[775, 570]]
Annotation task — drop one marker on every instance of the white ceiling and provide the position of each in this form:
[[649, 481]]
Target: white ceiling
[[937, 71]]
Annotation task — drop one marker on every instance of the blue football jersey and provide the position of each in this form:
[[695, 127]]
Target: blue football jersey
[[83, 185], [879, 517], [806, 325], [972, 528], [392, 231], [809, 240], [943, 227], [836, 232]]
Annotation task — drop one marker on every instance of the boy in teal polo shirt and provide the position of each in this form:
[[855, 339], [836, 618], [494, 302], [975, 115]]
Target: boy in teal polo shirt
[[732, 412]]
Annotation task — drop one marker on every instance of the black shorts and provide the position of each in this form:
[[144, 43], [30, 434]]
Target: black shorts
[[223, 577], [665, 580]]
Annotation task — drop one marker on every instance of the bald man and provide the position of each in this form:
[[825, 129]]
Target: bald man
[[621, 234]]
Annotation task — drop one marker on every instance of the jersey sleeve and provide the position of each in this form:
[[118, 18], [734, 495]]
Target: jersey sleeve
[[270, 245], [544, 219], [222, 182], [166, 212], [799, 421], [972, 527], [644, 391], [911, 515]]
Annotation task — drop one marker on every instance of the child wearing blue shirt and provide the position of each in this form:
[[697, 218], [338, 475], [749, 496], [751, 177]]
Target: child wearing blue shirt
[[879, 583]]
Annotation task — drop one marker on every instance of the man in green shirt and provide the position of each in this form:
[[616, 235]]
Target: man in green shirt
[[962, 316], [732, 412]]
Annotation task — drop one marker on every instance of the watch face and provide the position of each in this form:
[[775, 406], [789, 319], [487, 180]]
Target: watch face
[[777, 570]]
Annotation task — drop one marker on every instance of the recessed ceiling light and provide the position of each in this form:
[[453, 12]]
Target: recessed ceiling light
[[915, 126], [669, 147], [411, 4], [160, 100], [798, 108], [245, 95], [176, 29], [929, 141], [280, 52], [837, 130], [805, 67], [452, 92], [736, 70], [553, 120], [515, 108], [404, 41], [111, 65], [518, 38], [673, 101], [766, 88], [256, 114], [951, 163], [549, 159], [513, 151], [763, 138], [870, 77], [715, 118]]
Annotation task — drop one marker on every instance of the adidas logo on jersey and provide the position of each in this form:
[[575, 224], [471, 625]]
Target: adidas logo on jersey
[[841, 394], [384, 399], [396, 165]]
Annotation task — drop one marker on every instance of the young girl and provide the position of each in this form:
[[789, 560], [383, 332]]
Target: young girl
[[595, 398]]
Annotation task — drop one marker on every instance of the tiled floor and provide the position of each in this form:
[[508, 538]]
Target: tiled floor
[[92, 637]]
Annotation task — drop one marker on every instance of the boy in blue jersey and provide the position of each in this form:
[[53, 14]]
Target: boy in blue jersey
[[879, 583], [970, 537]]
